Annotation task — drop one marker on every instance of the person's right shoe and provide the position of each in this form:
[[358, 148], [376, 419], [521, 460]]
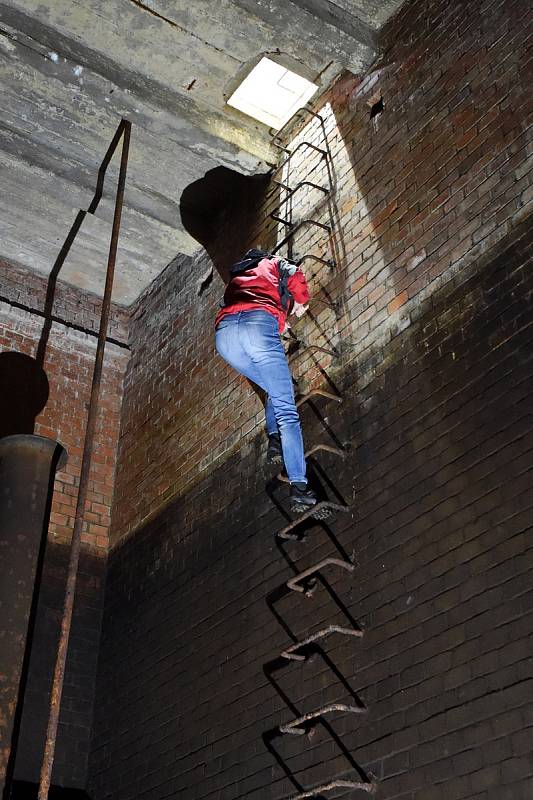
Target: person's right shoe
[[301, 498]]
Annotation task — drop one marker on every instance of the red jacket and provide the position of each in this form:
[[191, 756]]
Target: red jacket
[[257, 289]]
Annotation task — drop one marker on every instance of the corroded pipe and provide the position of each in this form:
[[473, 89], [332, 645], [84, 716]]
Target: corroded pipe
[[28, 465], [45, 778]]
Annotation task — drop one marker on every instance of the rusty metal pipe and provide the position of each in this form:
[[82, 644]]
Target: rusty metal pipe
[[28, 464], [66, 621]]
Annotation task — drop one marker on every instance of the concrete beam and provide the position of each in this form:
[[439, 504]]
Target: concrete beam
[[145, 64]]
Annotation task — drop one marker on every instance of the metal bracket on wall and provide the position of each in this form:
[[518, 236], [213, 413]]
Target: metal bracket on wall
[[295, 582], [323, 154], [322, 510], [281, 147], [317, 448], [317, 349], [302, 346], [291, 653], [290, 193], [326, 303], [299, 112], [297, 727], [296, 228], [276, 218], [332, 786], [317, 393], [329, 262]]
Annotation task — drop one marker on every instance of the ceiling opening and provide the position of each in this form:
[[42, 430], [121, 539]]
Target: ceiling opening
[[271, 93]]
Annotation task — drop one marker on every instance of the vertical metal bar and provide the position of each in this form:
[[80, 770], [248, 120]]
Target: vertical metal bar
[[59, 671]]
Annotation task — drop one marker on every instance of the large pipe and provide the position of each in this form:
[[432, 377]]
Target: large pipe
[[28, 465], [59, 671]]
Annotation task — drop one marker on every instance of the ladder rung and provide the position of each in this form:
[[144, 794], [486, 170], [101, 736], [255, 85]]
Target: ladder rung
[[323, 154], [328, 262], [294, 583], [297, 113], [296, 727], [321, 510], [332, 785], [327, 448], [291, 191], [308, 348], [296, 228], [318, 393], [277, 218], [292, 654]]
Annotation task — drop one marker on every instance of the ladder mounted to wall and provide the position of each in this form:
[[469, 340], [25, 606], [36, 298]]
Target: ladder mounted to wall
[[305, 583]]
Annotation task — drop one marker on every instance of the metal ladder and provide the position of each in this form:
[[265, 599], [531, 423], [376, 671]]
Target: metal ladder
[[305, 583]]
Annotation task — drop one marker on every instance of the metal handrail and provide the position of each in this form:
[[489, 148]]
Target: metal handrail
[[296, 727], [319, 512], [317, 791], [306, 109], [318, 393], [329, 262], [316, 448], [123, 132], [294, 583], [323, 153], [291, 653], [297, 228], [291, 192]]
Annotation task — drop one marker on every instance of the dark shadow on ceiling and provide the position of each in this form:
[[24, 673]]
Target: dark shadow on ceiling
[[221, 212]]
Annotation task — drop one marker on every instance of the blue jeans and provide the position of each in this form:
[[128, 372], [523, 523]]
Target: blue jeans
[[250, 342]]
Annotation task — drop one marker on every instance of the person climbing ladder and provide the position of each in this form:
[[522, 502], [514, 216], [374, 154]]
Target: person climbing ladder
[[257, 299]]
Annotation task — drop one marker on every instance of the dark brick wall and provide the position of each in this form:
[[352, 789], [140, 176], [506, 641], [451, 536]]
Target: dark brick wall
[[439, 437], [27, 290], [75, 724], [68, 365], [428, 308], [183, 409], [60, 412], [417, 194]]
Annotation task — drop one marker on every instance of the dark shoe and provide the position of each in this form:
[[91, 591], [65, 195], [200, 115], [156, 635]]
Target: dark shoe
[[301, 498], [274, 454]]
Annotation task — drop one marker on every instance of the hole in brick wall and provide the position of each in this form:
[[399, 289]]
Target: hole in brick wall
[[376, 108], [24, 394]]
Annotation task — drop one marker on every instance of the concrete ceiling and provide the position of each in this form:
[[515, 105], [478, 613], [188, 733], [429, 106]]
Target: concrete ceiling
[[70, 69]]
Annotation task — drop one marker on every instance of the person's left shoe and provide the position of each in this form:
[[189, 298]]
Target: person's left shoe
[[274, 454], [301, 498]]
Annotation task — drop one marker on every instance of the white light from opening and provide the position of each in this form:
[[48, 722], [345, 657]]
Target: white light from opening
[[272, 93]]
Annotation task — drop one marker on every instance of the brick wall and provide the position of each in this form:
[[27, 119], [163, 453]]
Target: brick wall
[[428, 316], [182, 407], [439, 441], [62, 392], [76, 717], [68, 362], [417, 194]]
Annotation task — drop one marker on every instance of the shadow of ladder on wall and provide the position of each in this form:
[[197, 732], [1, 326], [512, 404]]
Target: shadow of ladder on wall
[[305, 582]]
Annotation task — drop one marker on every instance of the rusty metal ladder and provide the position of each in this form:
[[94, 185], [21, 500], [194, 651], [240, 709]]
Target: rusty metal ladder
[[304, 582]]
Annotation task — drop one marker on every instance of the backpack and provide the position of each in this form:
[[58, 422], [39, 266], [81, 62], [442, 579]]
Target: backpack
[[285, 270]]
